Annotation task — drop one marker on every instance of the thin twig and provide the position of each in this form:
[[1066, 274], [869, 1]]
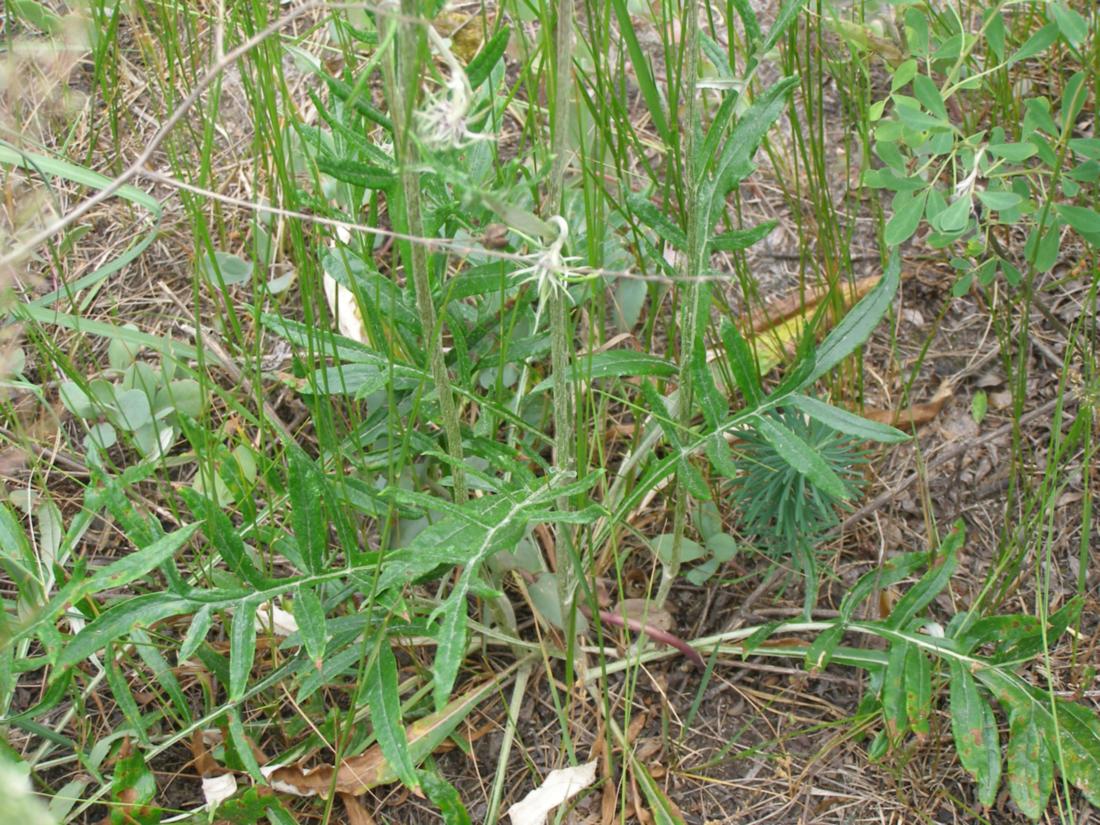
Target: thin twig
[[943, 458]]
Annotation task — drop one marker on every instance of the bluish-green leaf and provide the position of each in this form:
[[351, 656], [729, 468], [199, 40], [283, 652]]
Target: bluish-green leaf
[[242, 647], [450, 648], [309, 613], [117, 620], [738, 239], [140, 562], [224, 538], [614, 364], [307, 514], [735, 156], [200, 625]]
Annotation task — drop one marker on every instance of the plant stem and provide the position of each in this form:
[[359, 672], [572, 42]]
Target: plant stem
[[401, 91], [560, 332], [696, 292]]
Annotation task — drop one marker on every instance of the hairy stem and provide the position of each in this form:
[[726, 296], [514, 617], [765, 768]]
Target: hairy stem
[[401, 90], [560, 332], [696, 296]]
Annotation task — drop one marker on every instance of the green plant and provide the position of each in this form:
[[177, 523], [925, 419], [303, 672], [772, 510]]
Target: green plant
[[530, 261], [145, 402], [969, 180], [976, 659], [780, 507]]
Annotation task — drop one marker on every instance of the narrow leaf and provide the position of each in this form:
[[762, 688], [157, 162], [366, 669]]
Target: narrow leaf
[[893, 692], [857, 326], [614, 364], [742, 364], [820, 652], [385, 715], [931, 583], [242, 648], [307, 516], [141, 562], [310, 615], [479, 69], [801, 456], [1030, 764], [450, 649], [918, 690], [845, 422], [975, 732]]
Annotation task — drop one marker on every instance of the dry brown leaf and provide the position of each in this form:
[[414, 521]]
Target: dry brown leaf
[[609, 802], [357, 814], [644, 610], [915, 415], [371, 769], [798, 303], [205, 764]]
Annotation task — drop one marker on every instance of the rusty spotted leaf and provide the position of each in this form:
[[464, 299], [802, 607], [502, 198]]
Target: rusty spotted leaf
[[975, 732], [1030, 765]]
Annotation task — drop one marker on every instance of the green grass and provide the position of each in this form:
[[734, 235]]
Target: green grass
[[557, 231]]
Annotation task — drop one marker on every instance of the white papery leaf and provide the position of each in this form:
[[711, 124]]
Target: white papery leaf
[[271, 618], [558, 787], [217, 789], [343, 305]]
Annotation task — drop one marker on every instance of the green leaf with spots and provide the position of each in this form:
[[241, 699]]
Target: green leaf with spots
[[918, 690], [975, 732], [133, 789], [893, 693], [1030, 765]]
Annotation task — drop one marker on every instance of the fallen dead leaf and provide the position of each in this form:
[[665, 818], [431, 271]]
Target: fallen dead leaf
[[357, 814], [371, 769], [915, 415], [806, 303], [217, 789], [270, 618], [344, 307], [558, 787], [644, 610]]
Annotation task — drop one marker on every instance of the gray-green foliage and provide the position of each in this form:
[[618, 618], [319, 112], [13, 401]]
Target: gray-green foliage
[[967, 179], [135, 398]]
